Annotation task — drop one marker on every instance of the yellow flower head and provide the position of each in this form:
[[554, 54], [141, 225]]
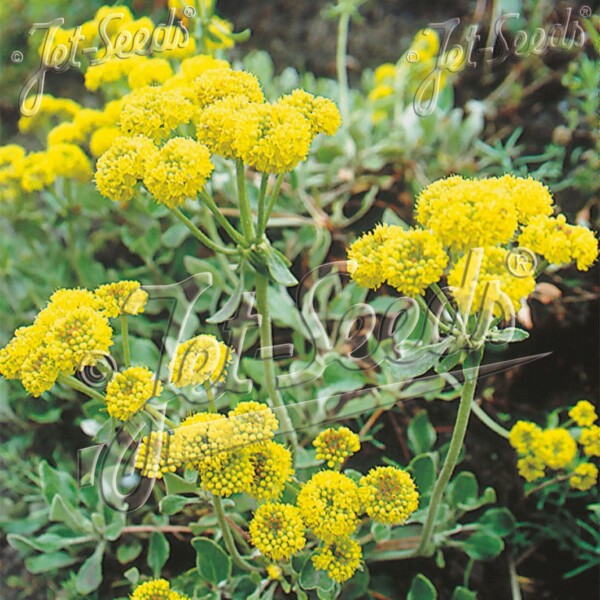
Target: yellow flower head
[[523, 435], [156, 589], [102, 139], [530, 468], [201, 359], [216, 84], [216, 125], [11, 167], [193, 67], [560, 243], [39, 371], [120, 298], [272, 464], [128, 392], [277, 530], [584, 413], [385, 73], [110, 71], [253, 423], [151, 71], [13, 355], [114, 18], [426, 43], [272, 138], [154, 112], [87, 120], [365, 257], [555, 448], [584, 477], [153, 454], [467, 213], [340, 559], [228, 473], [479, 289], [200, 438], [69, 160], [531, 197], [36, 172], [79, 339], [275, 572], [334, 446], [329, 503], [322, 114], [389, 495], [178, 171], [51, 111], [65, 133], [122, 166], [590, 440], [412, 260]]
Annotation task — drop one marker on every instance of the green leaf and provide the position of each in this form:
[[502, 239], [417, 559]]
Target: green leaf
[[178, 485], [49, 562], [62, 512], [499, 521], [89, 576], [172, 504], [421, 434], [381, 532], [417, 360], [463, 489], [128, 552], [313, 579], [277, 266], [357, 587], [508, 335], [483, 545], [423, 469], [462, 593], [55, 482], [229, 308], [175, 235], [213, 564], [158, 552], [132, 575], [421, 589]]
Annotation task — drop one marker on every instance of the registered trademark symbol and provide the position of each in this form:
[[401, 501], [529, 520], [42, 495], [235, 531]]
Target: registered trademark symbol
[[412, 56], [585, 11], [189, 11], [16, 56], [521, 262]]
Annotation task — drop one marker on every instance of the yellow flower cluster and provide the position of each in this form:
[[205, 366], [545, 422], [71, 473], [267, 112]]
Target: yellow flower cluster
[[341, 559], [71, 332], [389, 495], [277, 530], [330, 504], [409, 260], [199, 360], [156, 589], [457, 216], [152, 457], [584, 413], [556, 449], [400, 82], [128, 392], [334, 446]]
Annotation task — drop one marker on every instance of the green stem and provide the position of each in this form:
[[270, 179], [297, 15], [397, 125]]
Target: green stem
[[201, 236], [232, 232], [261, 203], [272, 199], [228, 537], [558, 479], [125, 337], [434, 320], [489, 422], [159, 416], [458, 436], [266, 343], [78, 385], [245, 211], [340, 61], [212, 407]]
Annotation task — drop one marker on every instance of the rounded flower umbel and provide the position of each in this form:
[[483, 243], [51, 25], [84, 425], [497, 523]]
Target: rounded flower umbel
[[584, 413], [277, 530], [199, 360], [121, 298], [129, 391], [389, 495], [272, 465], [156, 589], [329, 503], [340, 559], [334, 446], [585, 477]]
